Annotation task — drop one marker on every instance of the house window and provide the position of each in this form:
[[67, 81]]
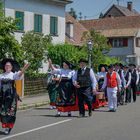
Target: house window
[[38, 23], [125, 42], [138, 42], [120, 42], [20, 20], [54, 26]]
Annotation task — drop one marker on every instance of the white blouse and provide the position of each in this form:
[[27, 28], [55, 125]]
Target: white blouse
[[10, 75]]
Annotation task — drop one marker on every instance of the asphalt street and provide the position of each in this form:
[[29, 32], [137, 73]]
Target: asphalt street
[[41, 124]]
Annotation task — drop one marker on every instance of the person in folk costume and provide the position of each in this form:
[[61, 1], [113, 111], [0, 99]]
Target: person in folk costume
[[120, 95], [100, 75], [52, 86], [8, 95], [100, 78], [85, 82], [66, 91], [113, 83], [134, 81], [138, 86], [127, 76]]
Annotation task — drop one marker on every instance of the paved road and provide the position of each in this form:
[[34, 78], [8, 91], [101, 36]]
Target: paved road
[[40, 124]]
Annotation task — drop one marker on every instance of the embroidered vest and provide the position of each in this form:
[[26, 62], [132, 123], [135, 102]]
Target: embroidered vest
[[84, 79], [112, 80]]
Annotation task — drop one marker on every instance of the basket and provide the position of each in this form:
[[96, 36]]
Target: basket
[[100, 95]]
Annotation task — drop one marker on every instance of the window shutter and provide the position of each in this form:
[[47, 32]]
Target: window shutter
[[56, 25], [38, 23], [53, 25], [20, 17]]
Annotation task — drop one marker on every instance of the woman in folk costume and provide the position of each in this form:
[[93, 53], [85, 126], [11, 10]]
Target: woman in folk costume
[[100, 75], [100, 78], [113, 83], [52, 86], [8, 95], [66, 92]]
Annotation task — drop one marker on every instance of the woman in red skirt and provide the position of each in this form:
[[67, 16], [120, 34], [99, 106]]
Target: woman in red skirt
[[8, 95]]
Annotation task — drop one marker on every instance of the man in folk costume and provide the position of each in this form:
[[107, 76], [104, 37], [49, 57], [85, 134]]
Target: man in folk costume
[[113, 83], [138, 87], [134, 81], [85, 82], [127, 76], [120, 95]]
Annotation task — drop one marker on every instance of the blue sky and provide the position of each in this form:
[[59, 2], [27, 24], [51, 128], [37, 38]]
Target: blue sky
[[92, 8]]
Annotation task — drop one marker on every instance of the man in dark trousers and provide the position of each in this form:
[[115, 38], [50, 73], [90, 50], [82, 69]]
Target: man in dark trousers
[[127, 76], [85, 82], [134, 81], [120, 95]]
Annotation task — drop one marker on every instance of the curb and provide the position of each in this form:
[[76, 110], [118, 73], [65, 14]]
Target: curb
[[33, 105]]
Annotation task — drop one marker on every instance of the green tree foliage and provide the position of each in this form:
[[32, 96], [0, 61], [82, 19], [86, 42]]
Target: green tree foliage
[[100, 48], [61, 52], [1, 9], [9, 47], [34, 46]]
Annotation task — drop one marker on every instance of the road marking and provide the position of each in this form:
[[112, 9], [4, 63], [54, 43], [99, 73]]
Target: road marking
[[35, 129]]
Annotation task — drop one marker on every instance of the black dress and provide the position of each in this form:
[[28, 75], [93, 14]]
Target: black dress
[[8, 102]]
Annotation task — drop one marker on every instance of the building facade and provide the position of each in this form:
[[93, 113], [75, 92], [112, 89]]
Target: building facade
[[42, 16], [123, 34]]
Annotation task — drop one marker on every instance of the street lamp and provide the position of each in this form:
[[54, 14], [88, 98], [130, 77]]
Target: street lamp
[[89, 45]]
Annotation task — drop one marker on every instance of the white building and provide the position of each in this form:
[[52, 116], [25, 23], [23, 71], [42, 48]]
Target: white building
[[44, 16]]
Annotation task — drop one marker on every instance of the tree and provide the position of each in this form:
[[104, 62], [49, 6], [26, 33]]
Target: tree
[[1, 8], [61, 52], [34, 46], [72, 12], [100, 47], [9, 47]]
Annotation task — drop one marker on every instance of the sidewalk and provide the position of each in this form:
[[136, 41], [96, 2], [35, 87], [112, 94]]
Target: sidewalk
[[33, 101]]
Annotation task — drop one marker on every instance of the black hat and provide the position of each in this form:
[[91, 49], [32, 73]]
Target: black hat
[[102, 65], [126, 66], [132, 65], [14, 63], [118, 64], [71, 66], [111, 66], [83, 60]]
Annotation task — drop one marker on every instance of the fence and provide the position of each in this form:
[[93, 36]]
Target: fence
[[35, 86]]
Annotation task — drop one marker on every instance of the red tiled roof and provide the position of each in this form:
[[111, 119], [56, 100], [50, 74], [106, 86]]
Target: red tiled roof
[[124, 10], [78, 30], [126, 32], [112, 23]]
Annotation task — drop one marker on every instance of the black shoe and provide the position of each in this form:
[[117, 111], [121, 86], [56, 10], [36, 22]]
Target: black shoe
[[7, 131], [57, 115], [81, 116], [69, 114], [114, 110], [90, 113], [110, 110]]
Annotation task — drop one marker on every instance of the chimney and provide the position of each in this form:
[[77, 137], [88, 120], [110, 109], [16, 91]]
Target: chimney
[[130, 5]]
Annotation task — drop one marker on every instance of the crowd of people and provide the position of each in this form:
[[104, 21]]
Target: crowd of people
[[72, 90], [77, 90]]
